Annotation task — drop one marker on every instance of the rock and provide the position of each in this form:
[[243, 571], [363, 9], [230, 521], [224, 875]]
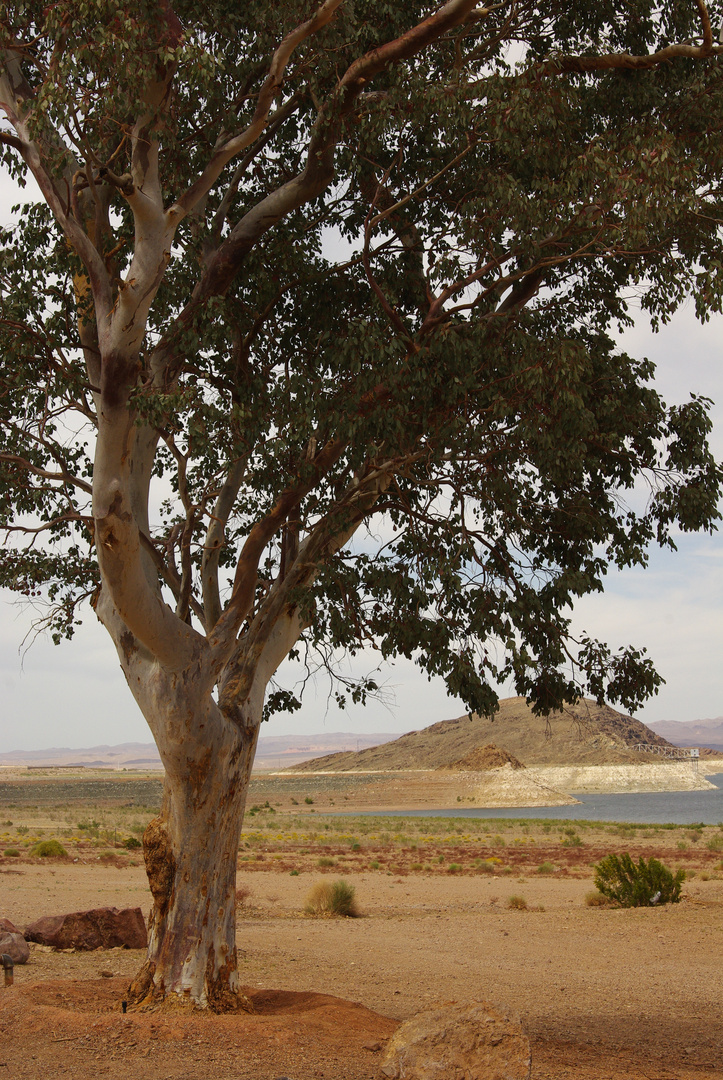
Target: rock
[[451, 1041], [15, 945], [101, 928], [8, 927]]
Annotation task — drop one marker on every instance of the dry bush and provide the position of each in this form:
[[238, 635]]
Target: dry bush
[[596, 899], [517, 903], [242, 894], [332, 898]]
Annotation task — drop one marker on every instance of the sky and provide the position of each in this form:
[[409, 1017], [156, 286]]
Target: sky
[[73, 695]]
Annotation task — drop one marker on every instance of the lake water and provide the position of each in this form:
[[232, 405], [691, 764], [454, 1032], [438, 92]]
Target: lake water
[[653, 807]]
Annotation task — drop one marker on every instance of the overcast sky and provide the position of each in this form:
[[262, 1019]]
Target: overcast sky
[[74, 694]]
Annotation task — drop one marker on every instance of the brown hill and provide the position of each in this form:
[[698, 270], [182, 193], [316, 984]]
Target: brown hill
[[483, 759], [585, 734]]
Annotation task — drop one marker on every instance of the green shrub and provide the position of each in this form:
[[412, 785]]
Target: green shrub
[[11, 852], [309, 801], [48, 849], [546, 868], [332, 898], [715, 844], [131, 843], [374, 864], [325, 861], [517, 903], [454, 868], [571, 839], [641, 884]]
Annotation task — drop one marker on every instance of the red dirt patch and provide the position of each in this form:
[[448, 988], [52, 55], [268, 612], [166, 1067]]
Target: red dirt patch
[[290, 1032]]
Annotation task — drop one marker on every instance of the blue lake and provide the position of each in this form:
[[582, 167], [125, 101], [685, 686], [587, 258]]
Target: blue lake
[[654, 807]]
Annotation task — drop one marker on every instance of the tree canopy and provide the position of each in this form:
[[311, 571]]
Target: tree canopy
[[503, 179]]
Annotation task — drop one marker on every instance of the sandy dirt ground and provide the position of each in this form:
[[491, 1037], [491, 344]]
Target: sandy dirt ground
[[605, 994]]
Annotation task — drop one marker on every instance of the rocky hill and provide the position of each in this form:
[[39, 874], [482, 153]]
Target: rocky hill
[[585, 734]]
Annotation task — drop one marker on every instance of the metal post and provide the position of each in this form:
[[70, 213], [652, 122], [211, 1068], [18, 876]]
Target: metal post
[[7, 962]]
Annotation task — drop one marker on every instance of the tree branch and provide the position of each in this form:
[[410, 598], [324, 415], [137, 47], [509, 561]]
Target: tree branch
[[268, 92]]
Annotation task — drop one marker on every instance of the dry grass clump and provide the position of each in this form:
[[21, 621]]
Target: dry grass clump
[[517, 903], [332, 898], [594, 898]]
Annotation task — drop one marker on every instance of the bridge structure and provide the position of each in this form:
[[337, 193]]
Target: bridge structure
[[673, 753]]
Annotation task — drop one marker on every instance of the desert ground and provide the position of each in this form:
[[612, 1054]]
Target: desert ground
[[604, 992]]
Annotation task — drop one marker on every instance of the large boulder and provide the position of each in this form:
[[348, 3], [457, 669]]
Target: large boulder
[[451, 1041], [101, 928], [13, 943]]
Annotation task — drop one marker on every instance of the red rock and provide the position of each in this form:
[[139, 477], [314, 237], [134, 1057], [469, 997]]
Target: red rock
[[451, 1041], [8, 927], [101, 928]]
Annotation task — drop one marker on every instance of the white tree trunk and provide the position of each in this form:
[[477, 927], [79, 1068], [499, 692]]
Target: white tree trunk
[[190, 851]]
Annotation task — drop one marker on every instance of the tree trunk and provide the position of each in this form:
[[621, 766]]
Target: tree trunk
[[191, 851]]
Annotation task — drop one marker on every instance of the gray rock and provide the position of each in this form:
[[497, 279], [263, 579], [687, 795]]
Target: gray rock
[[15, 945], [451, 1041]]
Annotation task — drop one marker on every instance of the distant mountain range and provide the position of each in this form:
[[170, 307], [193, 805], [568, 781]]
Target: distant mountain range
[[273, 752], [586, 732], [692, 732]]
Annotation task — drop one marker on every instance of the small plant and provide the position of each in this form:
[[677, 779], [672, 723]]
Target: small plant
[[681, 845], [325, 861], [131, 843], [332, 898], [309, 801], [546, 868], [374, 864], [454, 868], [715, 844], [242, 894], [641, 884], [52, 849], [293, 873], [571, 839], [11, 853], [22, 830], [415, 866], [517, 903], [88, 826]]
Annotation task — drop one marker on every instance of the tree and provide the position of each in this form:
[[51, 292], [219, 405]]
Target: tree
[[242, 446]]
